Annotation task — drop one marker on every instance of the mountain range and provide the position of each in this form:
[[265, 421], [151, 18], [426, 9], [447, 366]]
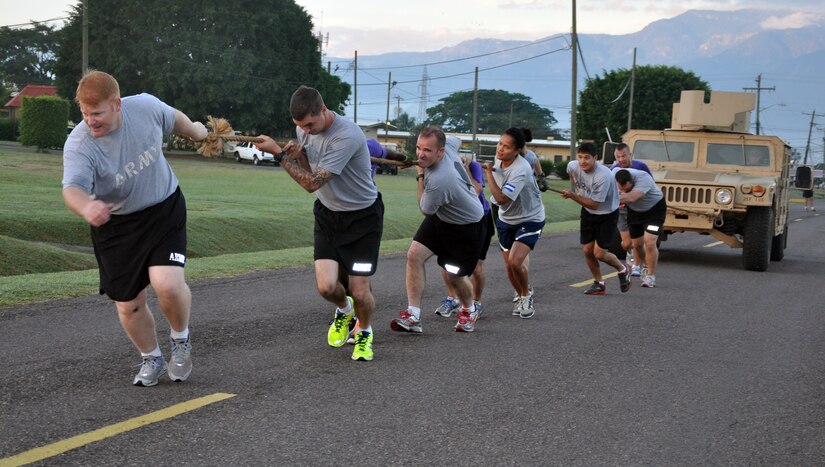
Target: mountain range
[[727, 49]]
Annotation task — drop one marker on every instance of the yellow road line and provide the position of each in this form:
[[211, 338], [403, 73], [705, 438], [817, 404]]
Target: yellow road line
[[50, 450], [711, 245], [590, 281]]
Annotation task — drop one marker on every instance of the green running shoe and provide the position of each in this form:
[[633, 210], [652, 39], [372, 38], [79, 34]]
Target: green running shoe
[[339, 329], [363, 346]]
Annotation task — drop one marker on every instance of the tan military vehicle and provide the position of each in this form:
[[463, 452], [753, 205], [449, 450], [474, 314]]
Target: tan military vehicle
[[718, 178]]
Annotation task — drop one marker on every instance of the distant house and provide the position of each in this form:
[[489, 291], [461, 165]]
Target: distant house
[[31, 90], [378, 130]]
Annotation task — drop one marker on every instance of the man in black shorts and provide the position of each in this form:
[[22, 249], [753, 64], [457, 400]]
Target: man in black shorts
[[116, 178], [452, 230], [332, 160], [646, 213], [478, 278], [808, 197], [595, 190]]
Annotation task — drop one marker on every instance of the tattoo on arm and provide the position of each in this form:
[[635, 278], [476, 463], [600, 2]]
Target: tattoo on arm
[[310, 181]]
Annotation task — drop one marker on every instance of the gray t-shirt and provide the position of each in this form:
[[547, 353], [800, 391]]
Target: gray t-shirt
[[518, 183], [531, 159], [598, 185], [642, 181], [448, 192], [342, 150], [125, 167]]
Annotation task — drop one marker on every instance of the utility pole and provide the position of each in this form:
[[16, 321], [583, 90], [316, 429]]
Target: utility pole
[[85, 34], [475, 114], [387, 121], [810, 129], [355, 90], [510, 122], [632, 87], [758, 90], [573, 47]]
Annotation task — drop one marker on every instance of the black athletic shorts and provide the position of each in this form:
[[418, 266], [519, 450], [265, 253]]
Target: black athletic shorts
[[807, 193], [650, 221], [129, 244], [457, 246], [599, 227], [351, 238], [489, 230]]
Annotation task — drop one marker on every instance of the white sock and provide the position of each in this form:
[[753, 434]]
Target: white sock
[[154, 353], [179, 335], [415, 311], [347, 309], [369, 329]]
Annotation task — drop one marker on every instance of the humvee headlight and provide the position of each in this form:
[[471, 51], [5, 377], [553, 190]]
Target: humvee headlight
[[758, 190], [723, 196]]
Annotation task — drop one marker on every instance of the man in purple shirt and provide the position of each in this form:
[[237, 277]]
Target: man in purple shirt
[[624, 160], [378, 151]]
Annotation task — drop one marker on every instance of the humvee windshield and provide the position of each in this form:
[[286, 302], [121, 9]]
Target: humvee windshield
[[739, 154], [655, 151]]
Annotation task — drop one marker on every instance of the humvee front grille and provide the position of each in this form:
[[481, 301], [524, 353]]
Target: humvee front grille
[[689, 195]]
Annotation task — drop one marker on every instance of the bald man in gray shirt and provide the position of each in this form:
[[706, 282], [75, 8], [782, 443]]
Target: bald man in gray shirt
[[452, 231], [646, 214]]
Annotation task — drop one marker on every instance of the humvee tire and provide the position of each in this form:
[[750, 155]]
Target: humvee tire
[[756, 251]]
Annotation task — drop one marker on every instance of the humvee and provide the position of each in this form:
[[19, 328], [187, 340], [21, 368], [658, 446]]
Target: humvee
[[717, 177]]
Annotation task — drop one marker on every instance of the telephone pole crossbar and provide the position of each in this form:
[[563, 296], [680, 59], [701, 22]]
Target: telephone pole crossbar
[[759, 90]]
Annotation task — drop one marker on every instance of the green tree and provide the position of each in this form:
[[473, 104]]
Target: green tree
[[656, 89], [27, 56], [5, 93], [497, 111], [404, 122], [239, 60], [334, 90]]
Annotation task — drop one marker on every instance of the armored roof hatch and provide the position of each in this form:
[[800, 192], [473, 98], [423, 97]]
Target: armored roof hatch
[[726, 111]]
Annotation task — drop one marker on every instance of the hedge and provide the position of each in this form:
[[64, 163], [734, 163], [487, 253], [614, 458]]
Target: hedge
[[7, 129], [561, 170], [546, 166], [43, 121]]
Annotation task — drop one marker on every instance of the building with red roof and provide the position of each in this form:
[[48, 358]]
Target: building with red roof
[[31, 90]]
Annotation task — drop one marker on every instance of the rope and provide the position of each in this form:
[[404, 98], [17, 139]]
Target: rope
[[221, 131]]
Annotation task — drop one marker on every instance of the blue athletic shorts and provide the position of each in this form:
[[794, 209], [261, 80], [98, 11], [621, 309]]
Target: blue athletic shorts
[[527, 233]]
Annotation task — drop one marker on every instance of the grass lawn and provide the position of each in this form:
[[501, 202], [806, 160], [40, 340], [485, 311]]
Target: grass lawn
[[241, 218]]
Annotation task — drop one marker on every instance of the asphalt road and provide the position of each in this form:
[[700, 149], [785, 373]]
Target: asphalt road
[[716, 365]]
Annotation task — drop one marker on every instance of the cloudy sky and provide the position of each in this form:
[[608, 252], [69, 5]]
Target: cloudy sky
[[373, 27], [377, 26]]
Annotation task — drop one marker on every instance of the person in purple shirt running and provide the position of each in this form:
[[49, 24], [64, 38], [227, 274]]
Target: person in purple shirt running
[[624, 160], [378, 150]]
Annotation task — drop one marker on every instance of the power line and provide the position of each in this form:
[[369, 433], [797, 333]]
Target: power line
[[469, 58], [33, 22], [471, 72]]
